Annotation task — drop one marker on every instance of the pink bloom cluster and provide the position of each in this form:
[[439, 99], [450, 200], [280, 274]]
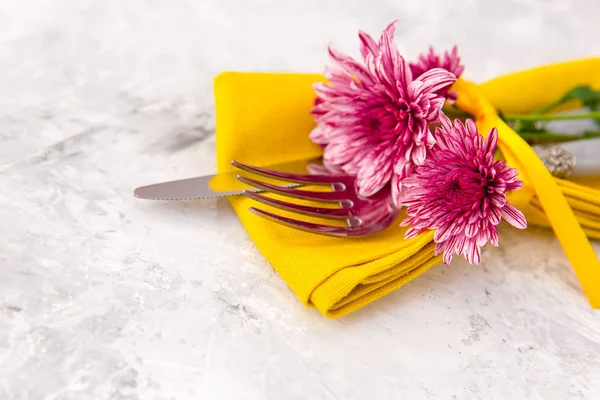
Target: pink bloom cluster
[[374, 120], [460, 191], [450, 61]]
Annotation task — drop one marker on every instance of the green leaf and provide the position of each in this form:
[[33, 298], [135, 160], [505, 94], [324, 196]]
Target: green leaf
[[589, 97]]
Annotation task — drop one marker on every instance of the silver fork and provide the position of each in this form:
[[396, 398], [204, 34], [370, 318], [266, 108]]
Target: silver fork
[[363, 216]]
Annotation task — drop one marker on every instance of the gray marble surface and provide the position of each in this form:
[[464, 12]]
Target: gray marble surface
[[103, 296]]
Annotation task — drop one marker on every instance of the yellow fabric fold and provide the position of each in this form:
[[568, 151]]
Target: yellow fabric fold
[[264, 118]]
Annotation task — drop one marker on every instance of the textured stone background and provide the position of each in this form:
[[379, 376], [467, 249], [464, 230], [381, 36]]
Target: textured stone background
[[106, 297]]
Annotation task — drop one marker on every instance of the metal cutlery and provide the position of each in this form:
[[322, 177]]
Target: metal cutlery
[[208, 186], [338, 210], [576, 158], [360, 216]]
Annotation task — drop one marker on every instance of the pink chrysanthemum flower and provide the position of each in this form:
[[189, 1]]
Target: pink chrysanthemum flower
[[460, 192], [373, 118], [450, 61]]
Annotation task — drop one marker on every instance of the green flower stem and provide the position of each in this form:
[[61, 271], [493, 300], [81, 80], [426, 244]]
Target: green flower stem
[[536, 136], [557, 137], [549, 107], [553, 117], [455, 112]]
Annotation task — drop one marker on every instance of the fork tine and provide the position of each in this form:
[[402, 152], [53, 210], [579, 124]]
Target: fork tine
[[322, 212], [336, 196], [327, 230], [287, 176]]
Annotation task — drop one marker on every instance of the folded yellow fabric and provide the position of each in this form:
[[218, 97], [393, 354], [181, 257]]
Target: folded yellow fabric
[[263, 118]]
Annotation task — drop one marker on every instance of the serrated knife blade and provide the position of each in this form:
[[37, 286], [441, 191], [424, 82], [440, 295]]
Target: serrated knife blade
[[217, 185]]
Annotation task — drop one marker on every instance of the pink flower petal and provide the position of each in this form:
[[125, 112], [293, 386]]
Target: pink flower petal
[[376, 171], [514, 216], [471, 231], [434, 80], [472, 253], [442, 234], [392, 63], [482, 238], [368, 46], [494, 236], [459, 247], [412, 233], [448, 257], [491, 141], [317, 135], [419, 154], [354, 69], [388, 32]]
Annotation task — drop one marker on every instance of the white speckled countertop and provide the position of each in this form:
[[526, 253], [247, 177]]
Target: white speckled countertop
[[103, 296]]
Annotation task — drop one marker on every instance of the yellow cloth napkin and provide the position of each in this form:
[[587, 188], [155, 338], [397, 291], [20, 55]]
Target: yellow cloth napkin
[[263, 118]]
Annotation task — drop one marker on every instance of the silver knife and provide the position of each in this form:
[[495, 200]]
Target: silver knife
[[217, 185], [575, 158]]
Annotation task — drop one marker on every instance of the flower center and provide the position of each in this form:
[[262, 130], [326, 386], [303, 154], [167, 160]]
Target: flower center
[[372, 124], [454, 187], [462, 186], [387, 119]]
